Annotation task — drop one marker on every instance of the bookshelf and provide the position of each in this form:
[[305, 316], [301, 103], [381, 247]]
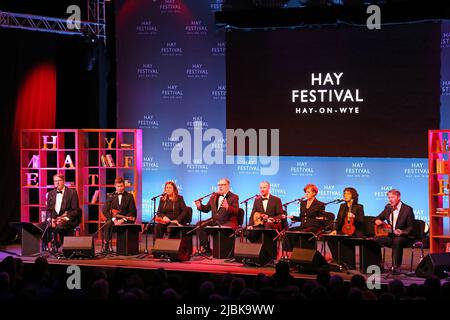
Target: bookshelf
[[105, 155], [439, 173], [77, 153], [43, 153]]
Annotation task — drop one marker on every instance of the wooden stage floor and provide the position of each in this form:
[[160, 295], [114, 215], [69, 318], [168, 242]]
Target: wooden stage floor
[[200, 264]]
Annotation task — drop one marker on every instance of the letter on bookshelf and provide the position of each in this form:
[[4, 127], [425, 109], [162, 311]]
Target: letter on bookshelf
[[103, 160], [47, 142], [32, 179], [93, 178], [34, 162], [109, 142], [110, 160], [127, 161], [68, 162], [95, 196], [443, 185]]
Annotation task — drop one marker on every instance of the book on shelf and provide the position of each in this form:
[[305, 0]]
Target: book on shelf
[[110, 160], [94, 198], [442, 166], [103, 160]]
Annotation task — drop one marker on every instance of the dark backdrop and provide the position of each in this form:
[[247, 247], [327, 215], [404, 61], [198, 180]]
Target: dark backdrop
[[81, 95]]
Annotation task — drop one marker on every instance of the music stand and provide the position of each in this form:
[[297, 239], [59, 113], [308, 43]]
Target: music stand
[[127, 239], [269, 241], [181, 232], [346, 257], [303, 238], [369, 253], [223, 245]]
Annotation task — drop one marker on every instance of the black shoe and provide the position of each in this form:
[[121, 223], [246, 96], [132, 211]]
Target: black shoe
[[207, 251]]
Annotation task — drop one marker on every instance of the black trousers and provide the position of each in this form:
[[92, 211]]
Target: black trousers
[[269, 248], [203, 236], [60, 231], [397, 244], [160, 230], [345, 255], [108, 228]]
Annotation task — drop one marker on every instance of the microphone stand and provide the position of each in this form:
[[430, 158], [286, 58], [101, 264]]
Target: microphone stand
[[201, 225], [103, 253], [154, 216], [146, 252], [281, 235], [246, 212]]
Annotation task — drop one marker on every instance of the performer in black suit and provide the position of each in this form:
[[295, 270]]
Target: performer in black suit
[[351, 209], [311, 210], [171, 209], [120, 203], [271, 216], [401, 217], [62, 210], [224, 207], [269, 208]]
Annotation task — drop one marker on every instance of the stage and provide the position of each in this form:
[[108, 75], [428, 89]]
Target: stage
[[198, 264]]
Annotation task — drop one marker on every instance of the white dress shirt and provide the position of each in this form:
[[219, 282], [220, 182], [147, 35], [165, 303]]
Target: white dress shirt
[[59, 197], [265, 202], [395, 213]]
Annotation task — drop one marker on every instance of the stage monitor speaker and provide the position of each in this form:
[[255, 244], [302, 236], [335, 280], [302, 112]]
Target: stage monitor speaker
[[173, 249], [307, 260], [250, 253], [434, 264], [78, 247]]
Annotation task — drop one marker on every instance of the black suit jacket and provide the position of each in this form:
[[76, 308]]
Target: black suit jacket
[[176, 210], [127, 206], [405, 219], [274, 208], [222, 216], [69, 204], [308, 215], [358, 211]]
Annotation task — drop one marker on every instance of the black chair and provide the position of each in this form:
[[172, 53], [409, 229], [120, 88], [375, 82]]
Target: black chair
[[369, 226], [240, 221], [417, 237], [240, 217], [188, 217], [416, 240], [328, 221], [327, 224]]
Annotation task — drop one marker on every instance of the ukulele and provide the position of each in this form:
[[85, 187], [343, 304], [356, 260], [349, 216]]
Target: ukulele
[[161, 220], [349, 224], [260, 219], [383, 230], [116, 214]]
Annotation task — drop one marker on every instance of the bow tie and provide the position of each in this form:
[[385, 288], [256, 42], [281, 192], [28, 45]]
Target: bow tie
[[120, 194], [58, 191], [265, 199]]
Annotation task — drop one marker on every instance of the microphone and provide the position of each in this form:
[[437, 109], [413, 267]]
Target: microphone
[[201, 198], [159, 195], [339, 200], [248, 199]]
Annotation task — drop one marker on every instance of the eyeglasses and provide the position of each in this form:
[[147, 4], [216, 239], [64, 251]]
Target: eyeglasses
[[221, 184]]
